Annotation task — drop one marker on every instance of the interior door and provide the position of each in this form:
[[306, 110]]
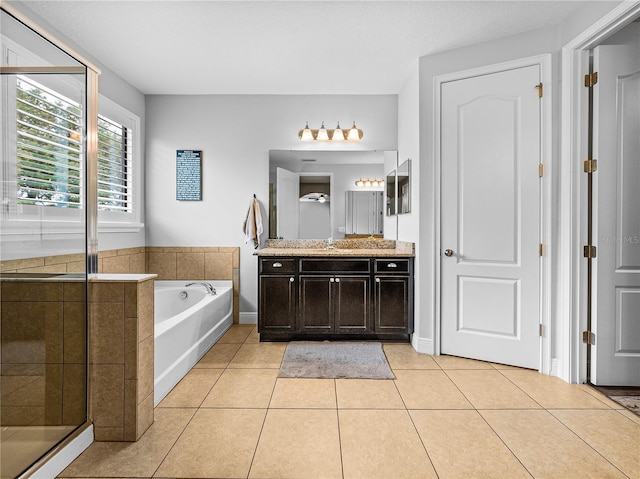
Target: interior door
[[490, 217], [288, 204], [616, 355]]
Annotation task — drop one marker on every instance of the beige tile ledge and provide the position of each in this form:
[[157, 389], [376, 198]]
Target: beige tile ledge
[[134, 278]]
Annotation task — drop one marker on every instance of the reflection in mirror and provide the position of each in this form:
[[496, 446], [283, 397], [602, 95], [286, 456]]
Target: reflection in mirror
[[404, 187], [390, 191], [364, 213], [296, 173]]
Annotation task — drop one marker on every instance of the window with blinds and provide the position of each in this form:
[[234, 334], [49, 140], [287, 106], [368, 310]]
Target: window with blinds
[[49, 152]]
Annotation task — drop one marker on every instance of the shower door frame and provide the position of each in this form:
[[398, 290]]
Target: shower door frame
[[91, 73]]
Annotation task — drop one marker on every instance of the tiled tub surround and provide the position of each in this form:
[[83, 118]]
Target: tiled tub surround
[[121, 342], [170, 263]]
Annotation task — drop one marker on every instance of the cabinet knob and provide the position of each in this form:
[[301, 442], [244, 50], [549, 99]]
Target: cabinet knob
[[337, 280], [392, 265], [277, 265], [377, 280], [292, 279], [332, 280]]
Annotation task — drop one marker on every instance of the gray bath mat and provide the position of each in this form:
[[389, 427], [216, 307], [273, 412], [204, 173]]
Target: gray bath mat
[[339, 359]]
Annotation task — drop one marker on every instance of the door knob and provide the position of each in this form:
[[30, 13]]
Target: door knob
[[448, 252]]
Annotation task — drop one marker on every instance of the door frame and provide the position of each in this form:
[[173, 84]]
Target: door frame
[[544, 62], [572, 222]]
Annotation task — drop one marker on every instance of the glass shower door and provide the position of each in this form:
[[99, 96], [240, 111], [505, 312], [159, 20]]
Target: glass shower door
[[43, 247]]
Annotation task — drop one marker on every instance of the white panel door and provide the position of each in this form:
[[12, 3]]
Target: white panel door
[[490, 217], [616, 323], [288, 204]]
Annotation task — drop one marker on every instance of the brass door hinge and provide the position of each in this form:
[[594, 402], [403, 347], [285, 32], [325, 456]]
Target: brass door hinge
[[589, 338], [541, 170], [540, 89], [541, 249], [590, 79], [590, 166], [589, 252]]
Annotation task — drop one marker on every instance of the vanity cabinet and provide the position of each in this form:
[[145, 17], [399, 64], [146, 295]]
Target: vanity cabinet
[[277, 285], [335, 298]]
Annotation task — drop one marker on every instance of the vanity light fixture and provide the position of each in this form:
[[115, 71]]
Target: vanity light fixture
[[339, 134], [368, 183]]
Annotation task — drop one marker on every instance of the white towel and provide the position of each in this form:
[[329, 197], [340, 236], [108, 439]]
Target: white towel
[[252, 226]]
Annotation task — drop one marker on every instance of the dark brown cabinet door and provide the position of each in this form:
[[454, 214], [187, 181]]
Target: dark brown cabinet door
[[316, 312], [351, 304], [392, 304], [277, 308]]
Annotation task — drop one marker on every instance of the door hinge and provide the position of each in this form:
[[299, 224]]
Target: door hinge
[[541, 170], [542, 330], [590, 79], [590, 166], [589, 251], [589, 338], [541, 249], [540, 89]]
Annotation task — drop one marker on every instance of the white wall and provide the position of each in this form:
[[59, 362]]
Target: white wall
[[409, 223], [235, 134]]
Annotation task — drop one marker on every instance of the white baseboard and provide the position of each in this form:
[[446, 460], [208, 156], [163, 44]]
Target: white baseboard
[[248, 318], [422, 345], [66, 456]]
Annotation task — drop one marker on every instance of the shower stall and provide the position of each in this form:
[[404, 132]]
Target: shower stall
[[48, 132]]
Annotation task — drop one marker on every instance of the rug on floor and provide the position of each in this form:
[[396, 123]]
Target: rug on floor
[[334, 360]]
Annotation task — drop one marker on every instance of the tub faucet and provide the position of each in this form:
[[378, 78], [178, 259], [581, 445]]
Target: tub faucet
[[210, 289]]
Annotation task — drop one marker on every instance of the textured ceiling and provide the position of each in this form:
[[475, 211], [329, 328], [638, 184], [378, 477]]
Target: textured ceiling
[[283, 47]]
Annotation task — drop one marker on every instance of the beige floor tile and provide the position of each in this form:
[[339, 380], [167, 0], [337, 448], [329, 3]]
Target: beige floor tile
[[263, 355], [216, 443], [630, 415], [455, 362], [547, 448], [242, 388], [253, 337], [133, 459], [506, 366], [608, 432], [192, 389], [381, 444], [403, 356], [237, 333], [487, 389], [368, 394], [295, 393], [298, 444], [429, 390], [462, 445], [219, 356], [600, 396], [553, 393]]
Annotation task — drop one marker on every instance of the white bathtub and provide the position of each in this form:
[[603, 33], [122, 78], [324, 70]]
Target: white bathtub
[[186, 328]]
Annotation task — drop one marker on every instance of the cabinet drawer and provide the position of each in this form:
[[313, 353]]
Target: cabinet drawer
[[392, 266], [278, 265], [354, 265]]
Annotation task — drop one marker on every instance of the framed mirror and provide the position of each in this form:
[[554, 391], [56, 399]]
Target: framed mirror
[[390, 193], [296, 173], [403, 181]]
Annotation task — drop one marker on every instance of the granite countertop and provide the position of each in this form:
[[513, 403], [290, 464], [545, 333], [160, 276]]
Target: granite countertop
[[353, 248]]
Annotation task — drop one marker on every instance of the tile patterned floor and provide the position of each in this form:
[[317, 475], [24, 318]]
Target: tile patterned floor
[[442, 417]]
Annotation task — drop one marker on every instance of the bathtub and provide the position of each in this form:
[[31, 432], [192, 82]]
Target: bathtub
[[188, 321]]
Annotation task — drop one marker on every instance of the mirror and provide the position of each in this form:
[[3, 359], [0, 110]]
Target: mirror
[[314, 173], [404, 187], [364, 213], [390, 193]]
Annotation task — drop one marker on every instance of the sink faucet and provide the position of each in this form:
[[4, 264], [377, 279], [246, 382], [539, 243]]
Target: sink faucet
[[330, 243], [210, 289]]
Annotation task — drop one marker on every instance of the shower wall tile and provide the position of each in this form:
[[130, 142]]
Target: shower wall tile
[[131, 351], [130, 300], [145, 309], [218, 265], [116, 264], [107, 333], [107, 394], [16, 264], [138, 263], [145, 369], [74, 393], [75, 333], [76, 291]]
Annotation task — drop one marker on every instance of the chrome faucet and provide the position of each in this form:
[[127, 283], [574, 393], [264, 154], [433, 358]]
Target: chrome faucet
[[210, 289], [330, 244]]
